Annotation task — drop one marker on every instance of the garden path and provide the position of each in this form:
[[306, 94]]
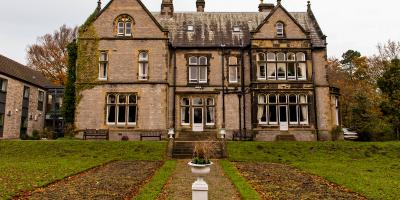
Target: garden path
[[179, 187]]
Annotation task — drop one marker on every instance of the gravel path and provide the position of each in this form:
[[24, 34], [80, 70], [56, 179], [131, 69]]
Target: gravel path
[[179, 187], [277, 181], [117, 180]]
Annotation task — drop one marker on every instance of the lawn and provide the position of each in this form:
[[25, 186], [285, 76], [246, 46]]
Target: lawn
[[371, 169], [25, 165]]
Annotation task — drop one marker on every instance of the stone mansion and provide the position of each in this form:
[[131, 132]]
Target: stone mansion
[[251, 72]]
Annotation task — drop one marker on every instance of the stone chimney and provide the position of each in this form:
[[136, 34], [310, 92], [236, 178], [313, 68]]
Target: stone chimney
[[167, 8], [200, 4], [265, 7]]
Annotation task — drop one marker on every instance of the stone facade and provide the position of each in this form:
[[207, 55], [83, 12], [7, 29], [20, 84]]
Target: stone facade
[[204, 73], [13, 108]]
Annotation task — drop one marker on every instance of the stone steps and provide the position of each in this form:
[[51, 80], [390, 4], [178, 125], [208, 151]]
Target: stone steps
[[184, 149]]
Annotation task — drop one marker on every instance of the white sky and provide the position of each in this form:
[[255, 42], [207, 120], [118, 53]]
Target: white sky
[[349, 24]]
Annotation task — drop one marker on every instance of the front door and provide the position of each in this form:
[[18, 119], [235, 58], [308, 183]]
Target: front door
[[283, 118], [198, 119]]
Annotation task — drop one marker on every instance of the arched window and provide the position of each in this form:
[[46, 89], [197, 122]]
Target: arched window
[[124, 25], [271, 57], [261, 57], [143, 65], [301, 56], [280, 30]]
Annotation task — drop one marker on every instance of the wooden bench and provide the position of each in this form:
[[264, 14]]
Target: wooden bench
[[156, 134], [98, 134], [243, 136]]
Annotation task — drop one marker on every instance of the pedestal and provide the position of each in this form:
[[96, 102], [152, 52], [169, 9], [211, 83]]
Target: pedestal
[[199, 189]]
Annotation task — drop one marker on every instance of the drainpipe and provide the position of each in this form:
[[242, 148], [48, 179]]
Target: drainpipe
[[243, 88], [222, 84], [174, 86], [251, 80], [315, 96]]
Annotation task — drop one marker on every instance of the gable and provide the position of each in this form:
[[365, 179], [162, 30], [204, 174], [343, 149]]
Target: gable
[[292, 28], [144, 26]]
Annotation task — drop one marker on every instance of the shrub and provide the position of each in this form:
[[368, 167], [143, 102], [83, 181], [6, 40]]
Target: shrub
[[125, 138], [336, 133], [69, 130], [35, 135]]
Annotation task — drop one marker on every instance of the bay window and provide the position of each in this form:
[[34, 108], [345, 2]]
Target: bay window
[[281, 66]]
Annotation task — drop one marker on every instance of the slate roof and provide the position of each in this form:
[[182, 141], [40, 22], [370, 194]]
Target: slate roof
[[212, 29], [18, 71]]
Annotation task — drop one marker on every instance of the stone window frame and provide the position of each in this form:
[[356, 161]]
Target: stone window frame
[[117, 106], [302, 108], [205, 105], [104, 65], [280, 29], [233, 65], [141, 62], [122, 22], [269, 59], [206, 66], [41, 100]]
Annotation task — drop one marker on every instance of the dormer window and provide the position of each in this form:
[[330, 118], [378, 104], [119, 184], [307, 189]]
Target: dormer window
[[236, 29], [280, 30], [190, 28], [124, 25]]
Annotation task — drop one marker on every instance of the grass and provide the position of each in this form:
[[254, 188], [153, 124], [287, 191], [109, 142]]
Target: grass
[[243, 187], [152, 189], [371, 169], [25, 165]]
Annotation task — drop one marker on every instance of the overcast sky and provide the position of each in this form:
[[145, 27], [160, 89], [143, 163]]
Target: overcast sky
[[349, 24]]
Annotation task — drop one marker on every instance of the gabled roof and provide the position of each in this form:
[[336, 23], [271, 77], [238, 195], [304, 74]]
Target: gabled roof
[[23, 73], [279, 6], [213, 29], [144, 8]]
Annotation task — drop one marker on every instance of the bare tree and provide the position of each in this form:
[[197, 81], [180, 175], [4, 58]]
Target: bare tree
[[389, 51], [49, 54]]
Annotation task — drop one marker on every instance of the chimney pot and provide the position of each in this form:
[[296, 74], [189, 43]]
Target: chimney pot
[[265, 7], [167, 8], [200, 5]]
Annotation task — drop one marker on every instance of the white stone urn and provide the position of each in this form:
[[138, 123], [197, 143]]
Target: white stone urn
[[200, 187]]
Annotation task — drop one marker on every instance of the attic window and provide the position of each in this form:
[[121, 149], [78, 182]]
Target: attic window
[[280, 31], [190, 28], [236, 29], [124, 25]]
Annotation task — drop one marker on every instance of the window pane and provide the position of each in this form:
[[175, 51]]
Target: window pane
[[197, 102], [261, 57], [120, 28], [262, 114], [193, 61], [271, 71], [233, 60], [261, 99], [281, 57], [111, 114], [291, 57], [301, 56], [210, 115], [103, 56], [26, 92], [185, 115], [301, 71], [3, 85], [272, 114], [272, 98], [271, 57], [233, 74], [293, 113], [262, 71], [304, 114], [132, 99], [41, 96], [185, 102], [111, 98], [292, 99], [203, 61], [122, 99], [128, 28], [210, 102], [132, 114], [281, 70], [143, 71], [203, 74], [291, 71], [282, 99], [1, 120], [302, 99], [193, 74], [122, 114]]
